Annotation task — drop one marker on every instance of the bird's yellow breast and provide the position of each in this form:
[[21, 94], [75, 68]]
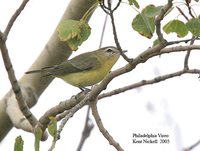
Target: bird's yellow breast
[[88, 77]]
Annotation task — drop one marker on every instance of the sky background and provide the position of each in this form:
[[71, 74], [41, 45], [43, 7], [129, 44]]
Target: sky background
[[170, 107]]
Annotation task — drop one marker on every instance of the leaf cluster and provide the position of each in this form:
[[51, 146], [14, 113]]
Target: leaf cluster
[[144, 23], [75, 32]]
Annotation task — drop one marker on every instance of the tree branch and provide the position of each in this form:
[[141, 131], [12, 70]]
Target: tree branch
[[63, 106], [148, 82], [189, 8], [180, 41], [14, 17], [16, 88], [186, 66], [102, 128], [118, 3], [108, 10], [159, 18], [192, 146], [179, 49], [72, 111], [11, 74], [115, 31], [182, 13]]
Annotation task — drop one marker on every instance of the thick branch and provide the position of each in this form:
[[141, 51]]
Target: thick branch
[[60, 108]]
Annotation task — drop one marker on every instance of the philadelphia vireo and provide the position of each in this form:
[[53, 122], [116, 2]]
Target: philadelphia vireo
[[85, 69]]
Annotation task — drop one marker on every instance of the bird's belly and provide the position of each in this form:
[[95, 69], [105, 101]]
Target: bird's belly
[[85, 78]]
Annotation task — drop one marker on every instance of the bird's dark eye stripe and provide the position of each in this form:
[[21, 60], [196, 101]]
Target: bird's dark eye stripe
[[109, 50]]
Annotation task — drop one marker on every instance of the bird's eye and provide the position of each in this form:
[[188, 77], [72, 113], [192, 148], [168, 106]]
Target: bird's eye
[[109, 50]]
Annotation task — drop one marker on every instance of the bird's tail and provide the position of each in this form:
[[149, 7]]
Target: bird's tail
[[44, 70], [33, 71]]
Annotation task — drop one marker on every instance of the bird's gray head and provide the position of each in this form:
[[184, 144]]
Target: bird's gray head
[[108, 53]]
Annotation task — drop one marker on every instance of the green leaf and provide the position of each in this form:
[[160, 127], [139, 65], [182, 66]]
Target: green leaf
[[19, 144], [156, 42], [144, 25], [152, 11], [74, 32], [144, 22], [38, 136], [52, 127], [177, 27], [131, 2], [193, 26]]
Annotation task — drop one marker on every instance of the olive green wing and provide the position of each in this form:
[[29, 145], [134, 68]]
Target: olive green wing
[[80, 63]]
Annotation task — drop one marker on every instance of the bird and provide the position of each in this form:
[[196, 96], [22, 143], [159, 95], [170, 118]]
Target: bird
[[84, 70]]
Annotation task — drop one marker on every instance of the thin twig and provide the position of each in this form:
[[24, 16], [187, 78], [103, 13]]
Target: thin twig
[[86, 131], [182, 13], [186, 66], [175, 49], [103, 6], [81, 102], [102, 128], [189, 9], [192, 146], [62, 115], [148, 82], [115, 33], [159, 18], [180, 41], [61, 126], [192, 42], [64, 106], [118, 3], [14, 17]]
